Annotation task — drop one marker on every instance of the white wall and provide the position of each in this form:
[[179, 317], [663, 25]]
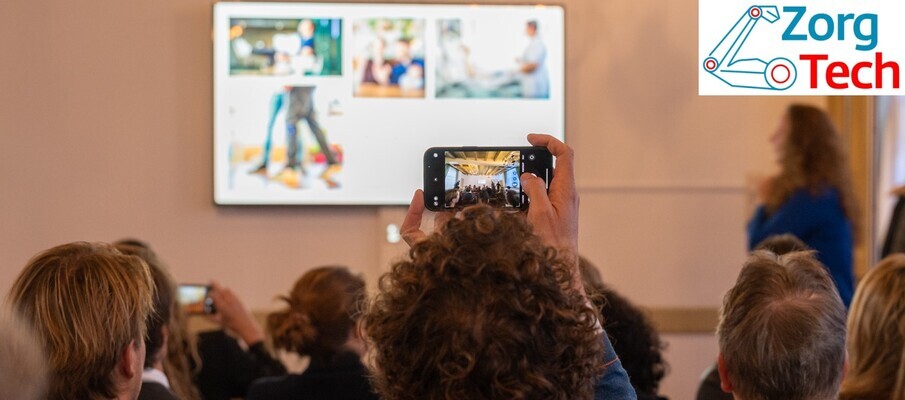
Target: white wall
[[105, 116]]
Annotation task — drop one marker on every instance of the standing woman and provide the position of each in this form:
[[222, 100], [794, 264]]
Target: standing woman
[[812, 196]]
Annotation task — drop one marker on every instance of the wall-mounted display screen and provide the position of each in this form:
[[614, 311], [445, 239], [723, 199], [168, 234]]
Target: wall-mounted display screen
[[319, 103]]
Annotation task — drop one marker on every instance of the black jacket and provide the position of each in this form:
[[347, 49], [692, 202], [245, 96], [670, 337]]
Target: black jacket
[[344, 379], [155, 391], [227, 370]]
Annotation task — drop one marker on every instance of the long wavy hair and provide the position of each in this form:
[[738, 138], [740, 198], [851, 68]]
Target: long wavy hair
[[876, 337], [483, 310], [813, 159]]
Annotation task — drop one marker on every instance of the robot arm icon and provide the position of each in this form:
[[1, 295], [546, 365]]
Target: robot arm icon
[[755, 73]]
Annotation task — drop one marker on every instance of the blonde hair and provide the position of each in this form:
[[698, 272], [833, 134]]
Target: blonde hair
[[86, 303], [876, 340], [23, 371], [182, 350]]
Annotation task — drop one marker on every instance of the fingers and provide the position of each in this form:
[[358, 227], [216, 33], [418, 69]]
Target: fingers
[[536, 189], [564, 154], [411, 226]]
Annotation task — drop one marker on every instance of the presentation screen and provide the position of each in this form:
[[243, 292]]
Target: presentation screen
[[318, 103]]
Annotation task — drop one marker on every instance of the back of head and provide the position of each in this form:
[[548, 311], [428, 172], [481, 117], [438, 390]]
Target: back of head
[[86, 302], [482, 310], [163, 300], [23, 371], [782, 329], [782, 244], [876, 340], [323, 310], [168, 315], [635, 340]]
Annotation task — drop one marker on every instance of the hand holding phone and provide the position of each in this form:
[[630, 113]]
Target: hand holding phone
[[458, 177]]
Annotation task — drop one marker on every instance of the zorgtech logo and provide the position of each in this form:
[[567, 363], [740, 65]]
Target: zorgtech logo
[[802, 47]]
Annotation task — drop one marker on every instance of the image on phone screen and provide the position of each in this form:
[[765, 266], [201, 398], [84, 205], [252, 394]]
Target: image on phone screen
[[194, 300], [482, 177]]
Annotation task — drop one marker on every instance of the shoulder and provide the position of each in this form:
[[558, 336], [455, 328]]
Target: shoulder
[[808, 197]]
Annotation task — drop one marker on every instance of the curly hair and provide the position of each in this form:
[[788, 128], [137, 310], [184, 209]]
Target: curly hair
[[813, 158], [483, 310]]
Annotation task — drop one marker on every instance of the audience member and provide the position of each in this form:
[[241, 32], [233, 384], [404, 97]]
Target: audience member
[[634, 338], [167, 373], [782, 330], [876, 341], [228, 368], [710, 387], [488, 308], [23, 368], [320, 323], [812, 196], [88, 304]]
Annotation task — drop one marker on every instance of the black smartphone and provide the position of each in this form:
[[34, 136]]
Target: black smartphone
[[458, 177], [194, 299]]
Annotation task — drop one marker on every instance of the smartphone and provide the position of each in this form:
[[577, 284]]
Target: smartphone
[[458, 177], [195, 300]]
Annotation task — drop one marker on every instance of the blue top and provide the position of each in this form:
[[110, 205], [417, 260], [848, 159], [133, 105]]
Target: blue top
[[401, 69], [819, 221], [614, 384]]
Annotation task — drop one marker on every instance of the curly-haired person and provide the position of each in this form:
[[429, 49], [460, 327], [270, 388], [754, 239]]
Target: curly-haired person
[[492, 306]]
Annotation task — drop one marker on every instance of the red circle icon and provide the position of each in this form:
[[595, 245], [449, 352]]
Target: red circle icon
[[783, 74], [710, 64], [755, 12]]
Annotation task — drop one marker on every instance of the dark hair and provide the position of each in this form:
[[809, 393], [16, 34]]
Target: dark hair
[[180, 347], [635, 340], [533, 24], [814, 159], [782, 244], [323, 309], [164, 293], [782, 329], [483, 310]]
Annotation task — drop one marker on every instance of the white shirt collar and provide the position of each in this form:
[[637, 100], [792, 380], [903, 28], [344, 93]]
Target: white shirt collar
[[156, 376]]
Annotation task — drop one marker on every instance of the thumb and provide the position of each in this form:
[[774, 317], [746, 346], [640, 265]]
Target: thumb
[[536, 189]]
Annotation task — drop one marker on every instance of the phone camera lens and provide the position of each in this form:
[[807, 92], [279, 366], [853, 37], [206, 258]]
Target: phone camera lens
[[436, 155], [531, 157]]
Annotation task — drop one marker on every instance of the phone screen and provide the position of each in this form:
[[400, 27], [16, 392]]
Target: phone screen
[[458, 177], [482, 177], [194, 299]]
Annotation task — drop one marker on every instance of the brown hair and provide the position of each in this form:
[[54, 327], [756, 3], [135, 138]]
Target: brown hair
[[483, 310], [813, 158], [323, 309], [876, 340], [86, 302], [180, 345], [782, 329]]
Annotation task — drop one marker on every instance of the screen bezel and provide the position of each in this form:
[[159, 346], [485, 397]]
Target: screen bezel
[[268, 204], [434, 177]]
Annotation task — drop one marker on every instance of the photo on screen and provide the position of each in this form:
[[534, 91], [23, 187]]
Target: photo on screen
[[285, 47], [482, 177], [490, 58], [292, 149], [389, 57], [192, 298]]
